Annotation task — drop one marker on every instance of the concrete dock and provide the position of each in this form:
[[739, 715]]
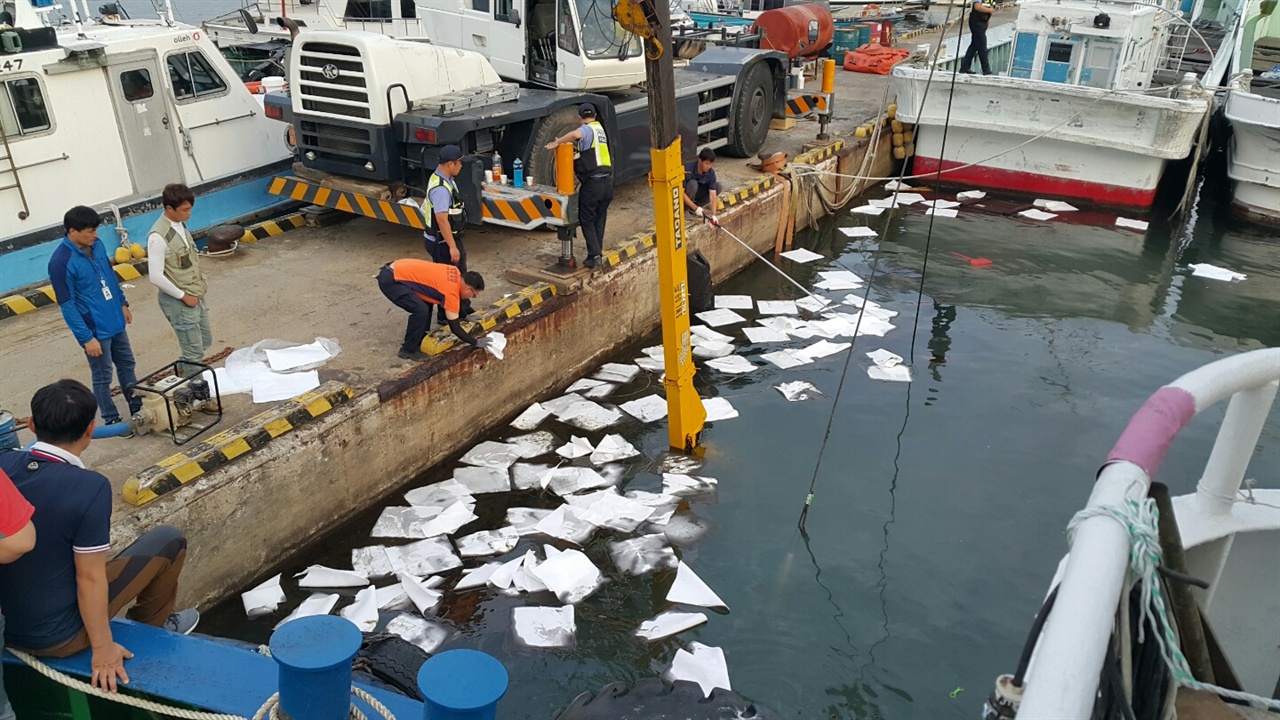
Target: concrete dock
[[269, 479]]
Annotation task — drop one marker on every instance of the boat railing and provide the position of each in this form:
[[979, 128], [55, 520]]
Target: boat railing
[[1062, 680]]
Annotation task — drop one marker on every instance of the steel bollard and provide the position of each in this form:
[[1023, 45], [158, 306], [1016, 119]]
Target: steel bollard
[[462, 685], [314, 655]]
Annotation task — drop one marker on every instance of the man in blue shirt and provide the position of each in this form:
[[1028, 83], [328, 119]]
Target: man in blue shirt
[[701, 187], [59, 598], [94, 308]]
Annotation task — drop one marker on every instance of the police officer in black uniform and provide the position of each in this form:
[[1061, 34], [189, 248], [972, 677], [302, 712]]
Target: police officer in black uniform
[[978, 20], [594, 167], [446, 217]]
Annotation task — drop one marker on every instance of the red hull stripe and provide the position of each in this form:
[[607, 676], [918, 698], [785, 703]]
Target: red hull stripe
[[1033, 184]]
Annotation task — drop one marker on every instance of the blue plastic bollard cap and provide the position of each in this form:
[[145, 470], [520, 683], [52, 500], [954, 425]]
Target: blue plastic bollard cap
[[462, 680], [315, 643]]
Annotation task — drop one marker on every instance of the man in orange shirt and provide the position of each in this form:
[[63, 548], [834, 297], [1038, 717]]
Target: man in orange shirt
[[415, 285]]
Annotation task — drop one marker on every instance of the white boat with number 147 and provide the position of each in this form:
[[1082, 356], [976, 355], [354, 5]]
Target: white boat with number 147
[[107, 112]]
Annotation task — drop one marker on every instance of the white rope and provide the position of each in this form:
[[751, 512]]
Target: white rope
[[130, 700], [270, 708], [1141, 521]]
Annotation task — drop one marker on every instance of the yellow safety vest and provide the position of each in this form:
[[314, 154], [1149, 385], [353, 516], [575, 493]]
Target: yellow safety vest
[[457, 210], [597, 156]]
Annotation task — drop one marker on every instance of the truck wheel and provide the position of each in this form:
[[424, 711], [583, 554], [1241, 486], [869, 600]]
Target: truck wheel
[[542, 162], [751, 113]]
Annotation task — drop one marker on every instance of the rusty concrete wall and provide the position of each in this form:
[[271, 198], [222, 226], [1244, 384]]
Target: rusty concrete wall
[[252, 515]]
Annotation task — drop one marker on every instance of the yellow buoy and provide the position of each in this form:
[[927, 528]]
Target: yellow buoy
[[896, 125], [122, 255], [908, 136], [137, 251], [910, 148], [892, 111], [860, 132], [897, 139], [899, 153]]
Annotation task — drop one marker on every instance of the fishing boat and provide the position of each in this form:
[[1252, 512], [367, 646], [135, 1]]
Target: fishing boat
[[1165, 602], [105, 113], [1252, 107], [1074, 113]]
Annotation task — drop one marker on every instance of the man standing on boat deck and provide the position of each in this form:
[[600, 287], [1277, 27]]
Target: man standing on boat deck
[[17, 538], [94, 307], [59, 598], [978, 19], [174, 269], [415, 285], [446, 217], [594, 168]]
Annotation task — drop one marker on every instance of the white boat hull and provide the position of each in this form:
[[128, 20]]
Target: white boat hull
[[1045, 138], [1254, 156]]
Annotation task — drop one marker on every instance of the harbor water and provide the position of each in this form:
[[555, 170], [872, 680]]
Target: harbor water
[[940, 505]]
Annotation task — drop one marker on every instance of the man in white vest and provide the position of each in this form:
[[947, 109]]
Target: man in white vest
[[174, 269]]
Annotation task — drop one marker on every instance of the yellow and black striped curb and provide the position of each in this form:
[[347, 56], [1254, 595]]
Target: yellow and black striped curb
[[921, 31], [176, 470], [43, 296], [526, 299], [629, 248], [348, 202], [27, 301], [269, 228], [744, 193], [806, 104], [817, 155]]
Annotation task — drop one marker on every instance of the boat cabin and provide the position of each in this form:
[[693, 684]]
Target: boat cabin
[[1094, 44]]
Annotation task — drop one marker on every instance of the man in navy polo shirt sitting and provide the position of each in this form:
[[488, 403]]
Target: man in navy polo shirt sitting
[[58, 599], [701, 187]]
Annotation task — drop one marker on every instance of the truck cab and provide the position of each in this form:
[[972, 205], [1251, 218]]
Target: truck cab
[[557, 44]]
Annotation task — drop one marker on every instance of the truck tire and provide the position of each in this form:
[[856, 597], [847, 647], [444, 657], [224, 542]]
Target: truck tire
[[542, 162], [751, 113]]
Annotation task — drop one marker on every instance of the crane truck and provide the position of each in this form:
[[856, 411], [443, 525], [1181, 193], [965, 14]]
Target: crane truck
[[368, 113]]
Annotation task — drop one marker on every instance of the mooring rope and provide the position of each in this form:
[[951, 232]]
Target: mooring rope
[[1141, 521], [269, 709]]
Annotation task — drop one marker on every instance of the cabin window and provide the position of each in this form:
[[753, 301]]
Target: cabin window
[[22, 108], [368, 10], [565, 30], [193, 77], [136, 84], [1060, 52], [480, 5], [408, 9], [502, 10]]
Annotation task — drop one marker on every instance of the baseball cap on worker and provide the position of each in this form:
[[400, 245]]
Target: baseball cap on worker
[[586, 110], [449, 153]]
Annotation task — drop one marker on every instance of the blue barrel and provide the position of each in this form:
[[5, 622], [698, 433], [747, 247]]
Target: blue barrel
[[8, 431], [462, 685], [314, 655]]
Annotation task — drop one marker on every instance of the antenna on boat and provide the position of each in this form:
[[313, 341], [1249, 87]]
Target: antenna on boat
[[168, 10], [84, 11]]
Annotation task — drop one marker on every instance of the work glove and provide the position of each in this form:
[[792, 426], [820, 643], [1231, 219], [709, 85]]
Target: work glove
[[699, 212], [483, 342]]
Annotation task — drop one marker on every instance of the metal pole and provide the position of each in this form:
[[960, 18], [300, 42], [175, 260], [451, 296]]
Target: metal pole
[[1233, 448], [651, 19]]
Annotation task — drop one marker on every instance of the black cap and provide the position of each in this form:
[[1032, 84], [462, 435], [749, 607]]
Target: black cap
[[449, 153], [586, 110]]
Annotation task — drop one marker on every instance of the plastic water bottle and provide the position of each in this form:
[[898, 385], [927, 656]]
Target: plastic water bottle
[[497, 166], [517, 170]]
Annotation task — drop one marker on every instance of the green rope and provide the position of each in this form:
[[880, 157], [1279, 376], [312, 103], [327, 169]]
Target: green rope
[[1141, 521]]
